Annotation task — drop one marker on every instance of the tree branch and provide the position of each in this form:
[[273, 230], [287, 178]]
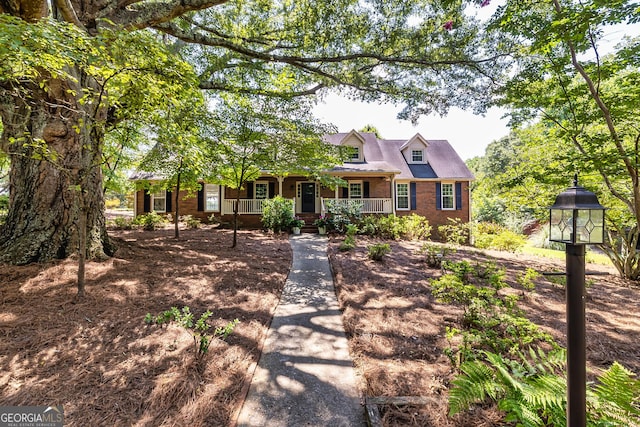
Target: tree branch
[[138, 15]]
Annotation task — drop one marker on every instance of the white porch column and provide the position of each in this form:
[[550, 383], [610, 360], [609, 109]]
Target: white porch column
[[280, 181]]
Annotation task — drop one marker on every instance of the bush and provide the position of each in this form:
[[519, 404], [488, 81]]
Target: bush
[[150, 221], [348, 243], [455, 231], [412, 227], [112, 203], [277, 214], [378, 251], [123, 223], [4, 202], [191, 222], [434, 255], [342, 214], [492, 236], [416, 227], [199, 329]]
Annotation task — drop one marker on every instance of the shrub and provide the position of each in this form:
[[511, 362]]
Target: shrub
[[492, 236], [277, 214], [199, 329], [434, 254], [4, 202], [455, 231], [123, 223], [416, 227], [191, 222], [490, 321], [112, 203], [526, 279], [391, 227], [411, 227], [348, 243], [150, 221], [378, 251], [342, 214]]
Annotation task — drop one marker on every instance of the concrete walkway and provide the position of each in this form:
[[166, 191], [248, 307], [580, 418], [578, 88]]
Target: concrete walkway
[[305, 376]]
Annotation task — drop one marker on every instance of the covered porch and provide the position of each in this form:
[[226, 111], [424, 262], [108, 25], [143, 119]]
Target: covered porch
[[370, 194]]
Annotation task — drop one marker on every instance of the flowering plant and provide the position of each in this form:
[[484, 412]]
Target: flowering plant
[[323, 221], [297, 222]]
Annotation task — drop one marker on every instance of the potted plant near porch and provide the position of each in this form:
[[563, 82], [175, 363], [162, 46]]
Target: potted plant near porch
[[322, 224], [296, 225]]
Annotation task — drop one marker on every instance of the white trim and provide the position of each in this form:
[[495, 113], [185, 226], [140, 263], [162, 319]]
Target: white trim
[[153, 201], [219, 197], [357, 182], [412, 154], [453, 196], [408, 196], [255, 187], [298, 198]]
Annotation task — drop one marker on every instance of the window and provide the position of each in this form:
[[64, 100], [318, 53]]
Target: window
[[355, 190], [355, 154], [261, 190], [416, 156], [160, 201], [402, 196], [212, 197], [447, 196]]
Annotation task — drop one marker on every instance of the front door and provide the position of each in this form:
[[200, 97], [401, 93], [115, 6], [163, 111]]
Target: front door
[[308, 190]]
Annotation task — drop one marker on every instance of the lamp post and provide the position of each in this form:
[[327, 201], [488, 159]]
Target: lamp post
[[576, 219]]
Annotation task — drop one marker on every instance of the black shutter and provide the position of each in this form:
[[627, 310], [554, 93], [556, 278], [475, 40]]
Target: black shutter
[[458, 196], [365, 189], [345, 193], [147, 202], [272, 190], [168, 199], [201, 198], [249, 190], [438, 196], [412, 193]]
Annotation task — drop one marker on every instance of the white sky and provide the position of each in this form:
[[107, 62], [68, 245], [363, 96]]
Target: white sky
[[468, 134]]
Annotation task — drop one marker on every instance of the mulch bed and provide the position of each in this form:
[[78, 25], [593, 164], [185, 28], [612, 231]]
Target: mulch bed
[[99, 359], [397, 336]]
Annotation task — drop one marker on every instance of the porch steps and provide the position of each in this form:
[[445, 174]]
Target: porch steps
[[308, 218]]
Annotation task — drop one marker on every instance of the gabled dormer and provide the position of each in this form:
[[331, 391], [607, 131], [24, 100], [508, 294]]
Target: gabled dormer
[[415, 150], [356, 141]]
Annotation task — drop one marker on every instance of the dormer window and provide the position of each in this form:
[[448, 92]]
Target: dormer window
[[354, 156], [417, 156]]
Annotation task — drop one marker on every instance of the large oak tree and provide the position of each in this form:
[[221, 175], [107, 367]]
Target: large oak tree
[[63, 86]]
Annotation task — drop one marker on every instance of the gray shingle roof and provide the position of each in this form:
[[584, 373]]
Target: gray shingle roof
[[385, 155]]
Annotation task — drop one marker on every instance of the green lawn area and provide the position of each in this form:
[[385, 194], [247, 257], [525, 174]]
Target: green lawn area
[[592, 256]]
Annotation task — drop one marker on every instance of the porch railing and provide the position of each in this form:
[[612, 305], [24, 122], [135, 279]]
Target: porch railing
[[367, 206], [246, 206]]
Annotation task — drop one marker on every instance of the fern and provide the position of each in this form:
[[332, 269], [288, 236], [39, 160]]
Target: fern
[[532, 390], [615, 399]]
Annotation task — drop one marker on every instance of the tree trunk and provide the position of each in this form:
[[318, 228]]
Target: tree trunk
[[176, 219], [55, 152], [235, 221]]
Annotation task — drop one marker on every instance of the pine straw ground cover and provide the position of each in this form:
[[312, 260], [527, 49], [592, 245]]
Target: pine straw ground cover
[[101, 361], [397, 335]]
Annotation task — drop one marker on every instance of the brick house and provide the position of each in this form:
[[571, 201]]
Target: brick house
[[425, 177]]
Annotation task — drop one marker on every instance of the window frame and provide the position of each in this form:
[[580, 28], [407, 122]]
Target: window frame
[[399, 196], [206, 190], [355, 155], [361, 185], [413, 156], [256, 184], [159, 195], [447, 196]]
